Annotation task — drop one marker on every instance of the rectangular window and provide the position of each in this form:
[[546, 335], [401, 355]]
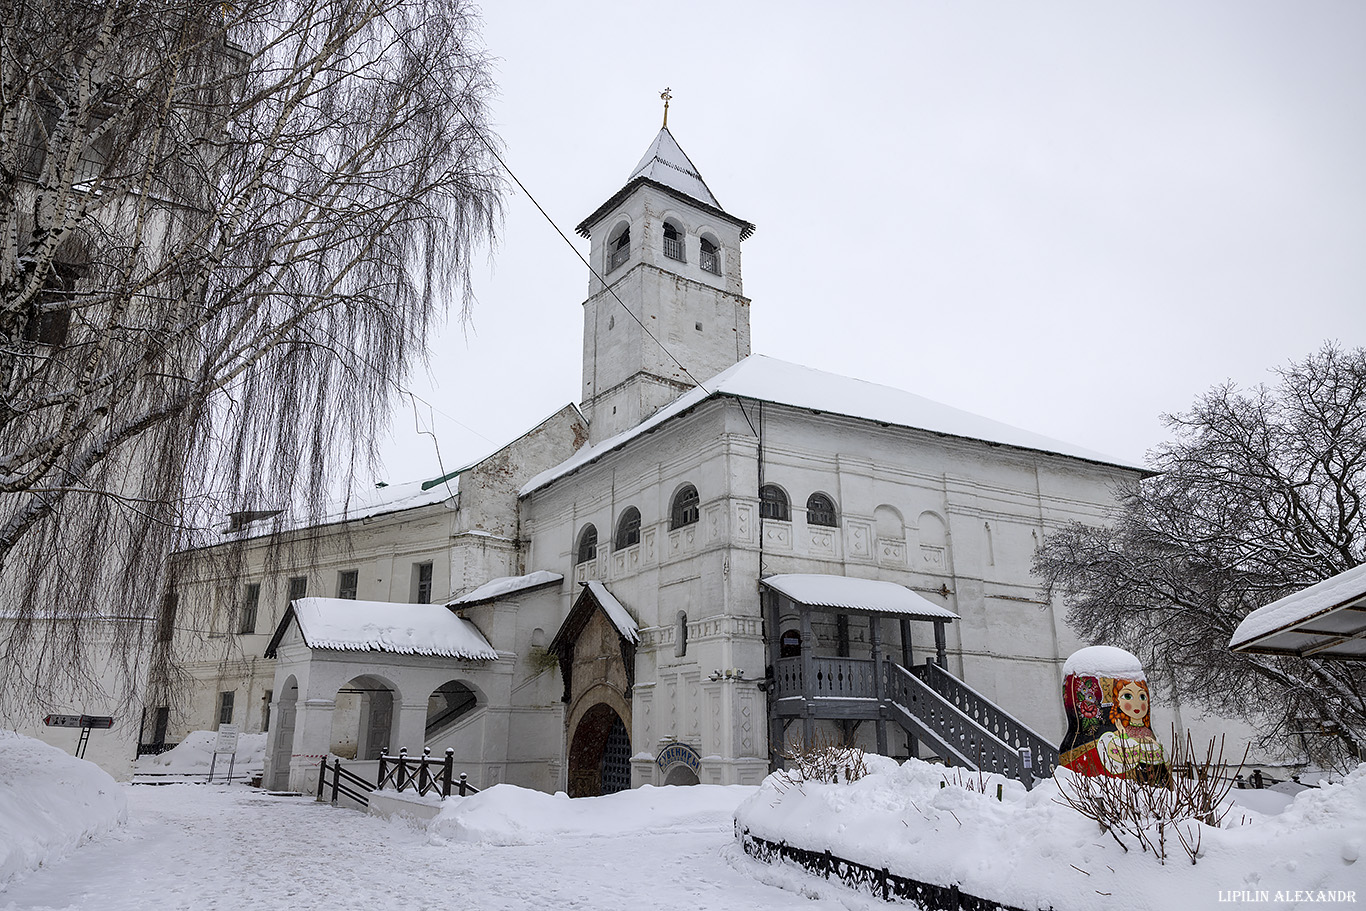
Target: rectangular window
[[298, 587], [251, 600], [422, 583], [166, 622], [348, 580], [265, 710], [225, 701]]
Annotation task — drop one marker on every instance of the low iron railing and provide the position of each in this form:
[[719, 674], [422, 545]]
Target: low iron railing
[[618, 257], [989, 715], [879, 881], [342, 784], [422, 774], [673, 248], [709, 262]]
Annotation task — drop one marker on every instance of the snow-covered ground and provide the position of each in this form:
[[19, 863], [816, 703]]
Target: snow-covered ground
[[219, 847], [50, 803], [509, 849], [946, 826]]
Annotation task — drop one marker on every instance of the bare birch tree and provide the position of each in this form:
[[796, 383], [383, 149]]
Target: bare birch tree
[[225, 230], [1258, 496]]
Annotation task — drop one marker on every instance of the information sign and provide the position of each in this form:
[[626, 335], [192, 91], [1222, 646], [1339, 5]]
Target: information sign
[[227, 739]]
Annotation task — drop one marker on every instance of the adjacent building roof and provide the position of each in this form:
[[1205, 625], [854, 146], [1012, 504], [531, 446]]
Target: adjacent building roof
[[767, 379], [504, 586], [615, 610], [863, 595], [383, 626], [1327, 620]]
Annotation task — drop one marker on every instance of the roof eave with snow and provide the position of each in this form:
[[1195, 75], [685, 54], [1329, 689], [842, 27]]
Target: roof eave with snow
[[584, 228], [1325, 620], [846, 593], [763, 379]]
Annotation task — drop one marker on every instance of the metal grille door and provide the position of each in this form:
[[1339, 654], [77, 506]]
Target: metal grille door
[[616, 759]]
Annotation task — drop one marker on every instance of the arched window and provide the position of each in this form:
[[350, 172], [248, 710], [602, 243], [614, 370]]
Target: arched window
[[773, 503], [628, 528], [619, 247], [673, 242], [709, 258], [790, 644], [685, 508], [588, 544], [820, 510]]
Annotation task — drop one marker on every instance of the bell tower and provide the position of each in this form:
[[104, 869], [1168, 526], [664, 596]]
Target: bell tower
[[665, 308]]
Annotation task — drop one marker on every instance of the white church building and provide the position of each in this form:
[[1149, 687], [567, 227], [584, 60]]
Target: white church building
[[715, 554]]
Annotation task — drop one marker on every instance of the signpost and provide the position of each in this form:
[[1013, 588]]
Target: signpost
[[84, 722], [225, 743]]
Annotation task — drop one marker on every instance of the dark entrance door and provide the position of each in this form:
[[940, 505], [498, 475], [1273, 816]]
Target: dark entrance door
[[599, 754]]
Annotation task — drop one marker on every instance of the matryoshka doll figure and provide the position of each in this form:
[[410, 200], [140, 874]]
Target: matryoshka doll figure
[[1109, 731], [1086, 703]]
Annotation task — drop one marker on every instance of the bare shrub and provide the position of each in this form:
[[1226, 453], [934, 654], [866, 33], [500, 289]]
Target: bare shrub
[[823, 759], [1191, 794]]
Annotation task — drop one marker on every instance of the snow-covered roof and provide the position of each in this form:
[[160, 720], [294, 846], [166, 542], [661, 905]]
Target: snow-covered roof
[[665, 162], [767, 379], [1326, 620], [1104, 661], [845, 593], [504, 586], [384, 626], [666, 165], [616, 611]]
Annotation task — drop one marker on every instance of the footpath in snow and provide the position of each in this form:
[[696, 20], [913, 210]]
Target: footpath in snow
[[219, 847]]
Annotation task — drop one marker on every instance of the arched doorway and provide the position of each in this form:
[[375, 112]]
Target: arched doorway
[[284, 735], [363, 719], [447, 704], [599, 754]]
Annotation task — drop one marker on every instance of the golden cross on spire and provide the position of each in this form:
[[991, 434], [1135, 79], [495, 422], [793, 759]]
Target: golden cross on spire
[[666, 95]]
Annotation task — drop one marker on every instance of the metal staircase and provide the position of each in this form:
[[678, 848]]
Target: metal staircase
[[941, 711], [960, 723]]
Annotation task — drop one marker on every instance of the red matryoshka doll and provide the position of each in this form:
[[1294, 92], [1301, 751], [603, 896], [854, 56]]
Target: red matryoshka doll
[[1109, 720]]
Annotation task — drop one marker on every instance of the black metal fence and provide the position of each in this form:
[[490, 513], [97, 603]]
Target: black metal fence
[[881, 883], [422, 774]]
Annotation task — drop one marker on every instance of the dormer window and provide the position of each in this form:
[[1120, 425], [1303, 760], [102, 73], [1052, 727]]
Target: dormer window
[[619, 248], [709, 259], [673, 242]]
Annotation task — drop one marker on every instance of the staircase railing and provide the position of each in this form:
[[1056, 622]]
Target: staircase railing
[[989, 715], [343, 783], [423, 774], [948, 729]]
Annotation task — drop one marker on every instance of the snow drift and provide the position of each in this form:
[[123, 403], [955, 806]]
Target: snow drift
[[1030, 851], [194, 755], [50, 801], [508, 815]]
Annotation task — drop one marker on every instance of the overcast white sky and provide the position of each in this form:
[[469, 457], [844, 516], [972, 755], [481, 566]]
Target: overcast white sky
[[1071, 217]]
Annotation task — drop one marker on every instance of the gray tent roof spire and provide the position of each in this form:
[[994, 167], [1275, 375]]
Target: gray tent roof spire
[[665, 162]]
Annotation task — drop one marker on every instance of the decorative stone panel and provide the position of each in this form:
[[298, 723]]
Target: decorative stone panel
[[859, 539], [714, 522], [778, 536], [746, 522], [932, 556], [891, 552]]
